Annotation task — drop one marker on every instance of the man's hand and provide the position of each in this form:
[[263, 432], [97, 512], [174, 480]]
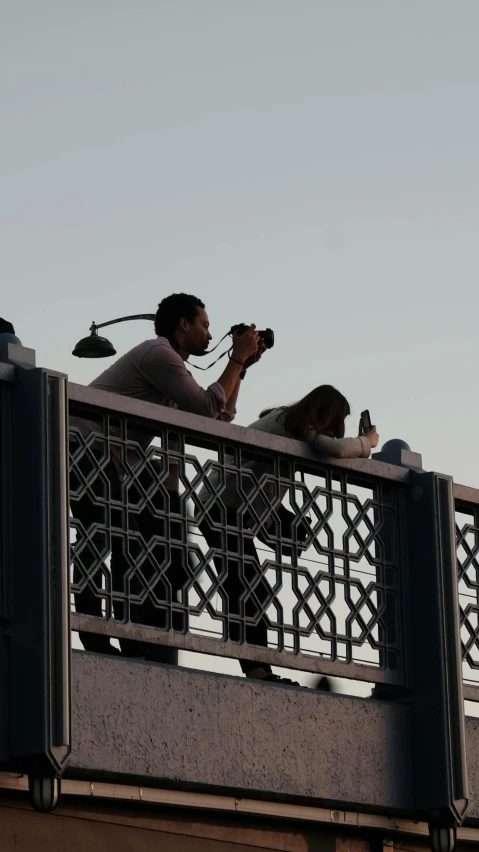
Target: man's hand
[[246, 345], [254, 358]]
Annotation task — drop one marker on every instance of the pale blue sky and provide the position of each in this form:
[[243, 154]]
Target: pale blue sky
[[303, 164]]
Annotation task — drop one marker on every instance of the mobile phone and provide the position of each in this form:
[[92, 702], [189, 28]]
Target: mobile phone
[[366, 421]]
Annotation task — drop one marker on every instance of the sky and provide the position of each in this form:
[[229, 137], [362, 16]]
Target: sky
[[306, 165]]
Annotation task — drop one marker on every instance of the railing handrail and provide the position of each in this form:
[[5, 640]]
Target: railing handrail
[[231, 432], [465, 493]]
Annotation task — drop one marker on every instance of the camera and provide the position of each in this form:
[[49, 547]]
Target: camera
[[267, 334]]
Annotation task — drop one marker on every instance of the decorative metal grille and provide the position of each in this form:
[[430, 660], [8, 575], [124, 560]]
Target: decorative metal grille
[[467, 548], [180, 538]]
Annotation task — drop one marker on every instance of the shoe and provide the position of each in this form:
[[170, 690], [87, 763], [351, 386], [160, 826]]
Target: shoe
[[102, 648], [272, 678], [385, 692]]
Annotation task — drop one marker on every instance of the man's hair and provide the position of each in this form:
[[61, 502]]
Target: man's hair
[[6, 326], [172, 309]]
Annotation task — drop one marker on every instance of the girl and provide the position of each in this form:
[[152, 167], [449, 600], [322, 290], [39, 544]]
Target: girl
[[317, 418]]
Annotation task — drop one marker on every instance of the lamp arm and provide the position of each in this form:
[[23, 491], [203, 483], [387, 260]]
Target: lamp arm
[[94, 326]]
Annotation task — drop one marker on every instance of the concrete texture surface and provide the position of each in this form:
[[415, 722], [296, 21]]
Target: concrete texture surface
[[472, 751], [174, 726]]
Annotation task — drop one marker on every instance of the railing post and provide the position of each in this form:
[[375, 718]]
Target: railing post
[[437, 701], [35, 573], [398, 453], [441, 792]]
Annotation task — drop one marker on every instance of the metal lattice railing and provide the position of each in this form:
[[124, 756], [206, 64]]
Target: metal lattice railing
[[195, 534], [467, 548]]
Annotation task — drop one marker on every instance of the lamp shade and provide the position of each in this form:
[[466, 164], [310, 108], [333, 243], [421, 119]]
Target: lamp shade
[[442, 839], [94, 346], [44, 793]]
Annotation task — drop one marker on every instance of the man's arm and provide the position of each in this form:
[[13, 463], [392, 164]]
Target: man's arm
[[165, 370], [245, 346], [230, 406]]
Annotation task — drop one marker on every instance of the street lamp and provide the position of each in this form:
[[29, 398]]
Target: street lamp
[[95, 346], [44, 793], [442, 838]]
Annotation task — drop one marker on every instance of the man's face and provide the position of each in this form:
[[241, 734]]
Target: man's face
[[196, 335]]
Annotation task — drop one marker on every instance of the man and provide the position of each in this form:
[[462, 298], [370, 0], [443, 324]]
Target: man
[[155, 371]]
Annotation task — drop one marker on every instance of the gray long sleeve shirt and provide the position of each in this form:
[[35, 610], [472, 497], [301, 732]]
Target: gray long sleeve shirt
[[337, 448], [155, 372]]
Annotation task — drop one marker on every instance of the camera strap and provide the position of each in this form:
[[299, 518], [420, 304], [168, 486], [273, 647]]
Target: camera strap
[[210, 352], [197, 366]]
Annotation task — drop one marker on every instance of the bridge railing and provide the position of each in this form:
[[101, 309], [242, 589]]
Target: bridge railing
[[208, 537], [467, 548], [195, 535]]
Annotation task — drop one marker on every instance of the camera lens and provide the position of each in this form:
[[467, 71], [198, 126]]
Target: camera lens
[[268, 337]]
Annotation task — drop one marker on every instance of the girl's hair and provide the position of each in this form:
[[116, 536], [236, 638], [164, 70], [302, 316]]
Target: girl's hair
[[323, 410]]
